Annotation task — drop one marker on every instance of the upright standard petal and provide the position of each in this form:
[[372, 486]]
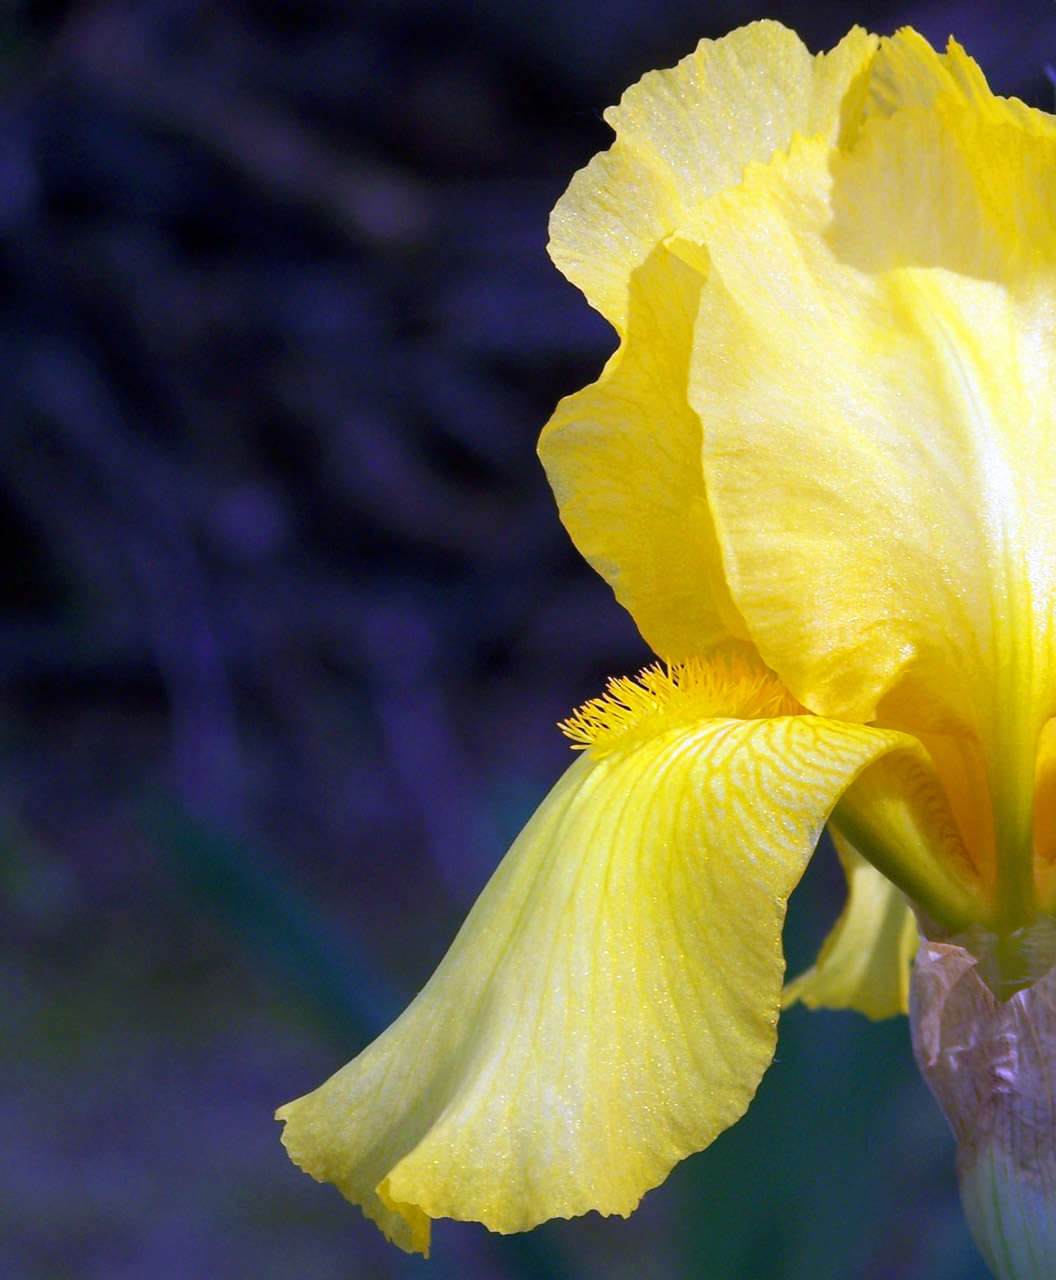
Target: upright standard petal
[[611, 1002], [623, 457], [686, 133], [908, 72], [874, 352], [893, 399]]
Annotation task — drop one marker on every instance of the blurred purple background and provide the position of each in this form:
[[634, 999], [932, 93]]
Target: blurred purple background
[[289, 617]]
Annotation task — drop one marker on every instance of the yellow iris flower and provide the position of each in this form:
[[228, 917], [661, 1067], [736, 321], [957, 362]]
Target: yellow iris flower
[[820, 472]]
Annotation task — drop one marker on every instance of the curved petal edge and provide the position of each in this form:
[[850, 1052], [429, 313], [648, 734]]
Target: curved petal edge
[[612, 1000]]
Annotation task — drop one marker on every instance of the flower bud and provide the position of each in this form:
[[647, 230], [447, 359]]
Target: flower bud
[[991, 1064]]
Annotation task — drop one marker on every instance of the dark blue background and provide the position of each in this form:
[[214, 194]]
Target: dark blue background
[[289, 618]]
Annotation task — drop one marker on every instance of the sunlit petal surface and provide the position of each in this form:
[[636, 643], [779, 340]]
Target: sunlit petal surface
[[686, 133], [612, 1000], [874, 354], [623, 457]]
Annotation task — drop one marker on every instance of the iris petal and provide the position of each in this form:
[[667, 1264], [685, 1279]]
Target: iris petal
[[907, 72], [610, 1003], [623, 457], [897, 412], [865, 961], [686, 133], [874, 352]]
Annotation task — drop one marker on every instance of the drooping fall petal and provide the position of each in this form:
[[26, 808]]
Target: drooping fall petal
[[611, 1002], [865, 961]]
